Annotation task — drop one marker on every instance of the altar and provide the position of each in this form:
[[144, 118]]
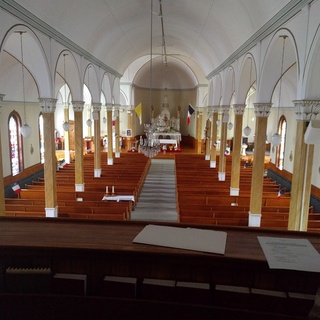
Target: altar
[[167, 138], [167, 135]]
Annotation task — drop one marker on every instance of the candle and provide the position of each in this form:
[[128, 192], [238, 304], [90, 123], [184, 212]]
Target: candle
[[107, 189], [112, 189]]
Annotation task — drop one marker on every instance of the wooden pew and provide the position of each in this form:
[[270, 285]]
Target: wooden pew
[[211, 195]]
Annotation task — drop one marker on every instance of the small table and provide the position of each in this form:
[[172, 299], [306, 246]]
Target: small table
[[169, 141], [118, 198]]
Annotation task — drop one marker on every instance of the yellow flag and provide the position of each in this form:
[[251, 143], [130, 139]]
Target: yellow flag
[[138, 110]]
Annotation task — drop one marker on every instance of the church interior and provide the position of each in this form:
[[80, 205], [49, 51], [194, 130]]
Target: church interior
[[160, 159]]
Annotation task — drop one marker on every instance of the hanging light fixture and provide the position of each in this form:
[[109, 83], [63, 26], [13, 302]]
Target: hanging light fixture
[[104, 119], [230, 124], [149, 146], [89, 121], [247, 129], [276, 138], [65, 124], [25, 129]]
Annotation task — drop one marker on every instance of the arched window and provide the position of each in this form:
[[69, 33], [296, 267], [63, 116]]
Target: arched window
[[280, 149], [41, 138], [15, 143]]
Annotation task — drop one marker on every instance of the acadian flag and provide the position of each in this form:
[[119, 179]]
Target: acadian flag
[[227, 151], [16, 188], [280, 192], [138, 110], [190, 113]]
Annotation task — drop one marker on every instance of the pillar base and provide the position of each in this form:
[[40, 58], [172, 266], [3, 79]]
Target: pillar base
[[207, 157], [117, 155], [79, 187], [234, 191], [97, 173], [213, 164], [51, 212], [67, 157], [254, 219], [110, 161], [221, 176]]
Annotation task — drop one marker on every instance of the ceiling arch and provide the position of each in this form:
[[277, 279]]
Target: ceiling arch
[[281, 44], [174, 74], [117, 32]]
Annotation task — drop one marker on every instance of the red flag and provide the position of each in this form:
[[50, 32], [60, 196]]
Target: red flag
[[280, 192], [190, 113], [16, 188]]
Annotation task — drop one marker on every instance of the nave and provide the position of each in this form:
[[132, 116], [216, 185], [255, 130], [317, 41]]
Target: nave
[[86, 249], [157, 201], [180, 188]]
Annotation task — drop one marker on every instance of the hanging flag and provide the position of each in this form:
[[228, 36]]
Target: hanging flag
[[138, 110], [190, 113], [280, 192], [16, 188]]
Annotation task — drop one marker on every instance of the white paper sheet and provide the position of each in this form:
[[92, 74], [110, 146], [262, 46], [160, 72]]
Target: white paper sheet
[[183, 238], [119, 198], [290, 254]]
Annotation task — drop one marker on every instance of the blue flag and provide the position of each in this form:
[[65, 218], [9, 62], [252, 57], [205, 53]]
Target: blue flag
[[190, 113]]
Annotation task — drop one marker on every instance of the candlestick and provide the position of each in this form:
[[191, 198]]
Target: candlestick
[[112, 189], [107, 189]]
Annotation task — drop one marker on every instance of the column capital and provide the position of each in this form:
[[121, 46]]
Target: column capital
[[109, 106], [77, 106], [131, 108], [306, 110], [96, 106], [225, 113], [238, 109], [47, 105], [117, 107], [215, 109], [262, 110]]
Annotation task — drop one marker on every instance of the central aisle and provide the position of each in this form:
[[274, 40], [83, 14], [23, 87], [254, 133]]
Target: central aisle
[[157, 201]]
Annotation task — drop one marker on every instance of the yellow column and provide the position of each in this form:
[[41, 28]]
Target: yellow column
[[131, 121], [213, 153], [78, 136], [236, 150], [222, 159], [117, 132], [208, 139], [96, 106], [199, 132], [66, 138], [48, 107], [178, 118], [302, 167], [130, 140], [262, 111], [2, 203], [110, 147]]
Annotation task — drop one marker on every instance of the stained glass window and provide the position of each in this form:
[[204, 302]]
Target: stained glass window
[[15, 143]]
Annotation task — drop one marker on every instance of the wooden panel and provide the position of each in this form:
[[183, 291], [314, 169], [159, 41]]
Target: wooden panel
[[97, 249]]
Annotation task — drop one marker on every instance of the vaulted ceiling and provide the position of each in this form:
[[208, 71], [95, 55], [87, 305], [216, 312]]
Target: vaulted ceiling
[[197, 35]]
